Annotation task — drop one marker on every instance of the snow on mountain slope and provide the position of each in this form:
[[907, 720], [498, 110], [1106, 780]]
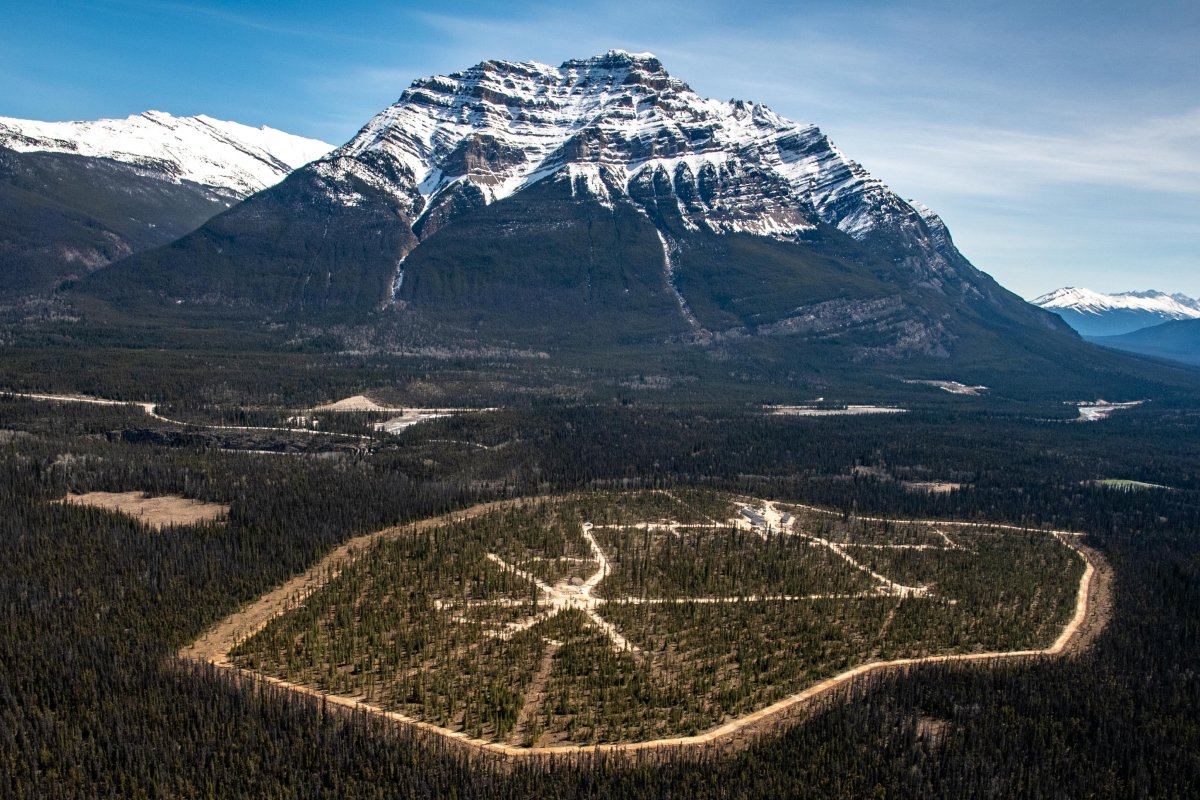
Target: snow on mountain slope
[[228, 156], [1086, 301], [601, 198], [1096, 314], [937, 228], [615, 125]]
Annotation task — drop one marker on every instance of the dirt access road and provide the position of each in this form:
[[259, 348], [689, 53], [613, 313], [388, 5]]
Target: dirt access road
[[151, 410], [215, 644], [1092, 605]]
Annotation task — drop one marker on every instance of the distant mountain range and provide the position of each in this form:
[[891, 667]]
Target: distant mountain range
[[1096, 314], [75, 196]]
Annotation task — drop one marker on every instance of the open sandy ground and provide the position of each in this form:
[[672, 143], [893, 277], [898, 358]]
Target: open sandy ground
[[953, 387], [358, 402], [1092, 608], [932, 487], [1101, 409], [157, 512], [817, 411]]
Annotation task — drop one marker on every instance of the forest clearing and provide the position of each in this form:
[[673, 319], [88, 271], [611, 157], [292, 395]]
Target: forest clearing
[[156, 512], [672, 620]]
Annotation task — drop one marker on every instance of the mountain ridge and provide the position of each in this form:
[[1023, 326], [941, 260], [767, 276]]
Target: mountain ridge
[[238, 159], [76, 196], [1098, 314], [610, 122], [1177, 340]]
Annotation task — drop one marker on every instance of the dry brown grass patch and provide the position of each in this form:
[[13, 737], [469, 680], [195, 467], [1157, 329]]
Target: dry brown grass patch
[[157, 512]]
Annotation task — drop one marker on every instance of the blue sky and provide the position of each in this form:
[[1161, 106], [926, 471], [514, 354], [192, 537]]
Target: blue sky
[[1059, 141]]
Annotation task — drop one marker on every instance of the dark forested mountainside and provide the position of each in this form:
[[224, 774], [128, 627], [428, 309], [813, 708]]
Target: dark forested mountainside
[[76, 196], [66, 215], [1178, 340], [291, 248], [552, 270], [553, 267]]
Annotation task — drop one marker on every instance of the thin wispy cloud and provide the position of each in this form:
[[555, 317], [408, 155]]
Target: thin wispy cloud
[[1154, 155], [265, 24], [1019, 122]]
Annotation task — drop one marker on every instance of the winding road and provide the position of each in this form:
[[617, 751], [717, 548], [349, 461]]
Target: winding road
[[151, 410]]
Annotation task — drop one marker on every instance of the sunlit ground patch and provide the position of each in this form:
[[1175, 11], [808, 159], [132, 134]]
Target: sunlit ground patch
[[156, 512]]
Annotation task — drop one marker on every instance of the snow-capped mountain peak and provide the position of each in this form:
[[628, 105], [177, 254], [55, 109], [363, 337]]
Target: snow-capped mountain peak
[[1176, 298], [1086, 301], [516, 198], [227, 156], [620, 127], [1097, 314]]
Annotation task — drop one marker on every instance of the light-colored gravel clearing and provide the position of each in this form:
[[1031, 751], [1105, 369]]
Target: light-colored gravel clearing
[[818, 411], [358, 402], [932, 487], [151, 410]]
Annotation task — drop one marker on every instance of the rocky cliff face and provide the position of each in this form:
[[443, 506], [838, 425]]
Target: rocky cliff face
[[618, 128]]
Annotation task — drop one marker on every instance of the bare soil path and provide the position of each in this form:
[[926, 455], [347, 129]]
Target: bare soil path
[[567, 595], [1092, 607], [1098, 604], [534, 696], [881, 636], [215, 644], [151, 410]]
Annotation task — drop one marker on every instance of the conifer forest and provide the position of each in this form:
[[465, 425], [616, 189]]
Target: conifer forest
[[461, 625]]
